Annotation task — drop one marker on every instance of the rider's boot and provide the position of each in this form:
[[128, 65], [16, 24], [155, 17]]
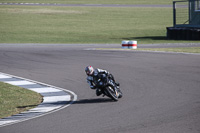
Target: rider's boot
[[98, 92], [117, 84]]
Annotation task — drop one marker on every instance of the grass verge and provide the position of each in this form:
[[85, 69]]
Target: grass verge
[[14, 100], [48, 24], [182, 50], [156, 2]]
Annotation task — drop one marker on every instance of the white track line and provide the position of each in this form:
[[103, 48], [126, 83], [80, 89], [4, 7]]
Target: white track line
[[54, 99]]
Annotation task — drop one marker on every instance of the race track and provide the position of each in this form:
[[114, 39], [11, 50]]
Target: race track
[[161, 90]]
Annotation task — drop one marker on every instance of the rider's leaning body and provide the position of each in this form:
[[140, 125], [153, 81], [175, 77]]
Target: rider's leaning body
[[94, 75]]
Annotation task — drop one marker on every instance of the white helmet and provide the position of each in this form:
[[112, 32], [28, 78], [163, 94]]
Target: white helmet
[[89, 70]]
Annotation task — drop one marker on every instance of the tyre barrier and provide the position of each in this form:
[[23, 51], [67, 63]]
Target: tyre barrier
[[183, 33], [126, 44]]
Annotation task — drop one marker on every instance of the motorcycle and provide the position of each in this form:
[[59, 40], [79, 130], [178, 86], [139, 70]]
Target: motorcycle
[[109, 88]]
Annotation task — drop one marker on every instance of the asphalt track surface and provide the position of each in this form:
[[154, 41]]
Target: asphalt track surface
[[161, 90]]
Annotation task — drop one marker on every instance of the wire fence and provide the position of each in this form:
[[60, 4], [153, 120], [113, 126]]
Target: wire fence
[[181, 12]]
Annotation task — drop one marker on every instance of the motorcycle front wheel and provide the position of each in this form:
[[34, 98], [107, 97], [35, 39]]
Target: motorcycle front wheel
[[113, 94]]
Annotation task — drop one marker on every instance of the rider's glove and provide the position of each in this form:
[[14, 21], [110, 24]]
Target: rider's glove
[[93, 87]]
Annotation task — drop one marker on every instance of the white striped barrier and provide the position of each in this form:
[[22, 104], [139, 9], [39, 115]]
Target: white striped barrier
[[132, 44], [126, 44]]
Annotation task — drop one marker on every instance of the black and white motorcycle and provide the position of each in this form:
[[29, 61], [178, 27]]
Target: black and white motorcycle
[[110, 88]]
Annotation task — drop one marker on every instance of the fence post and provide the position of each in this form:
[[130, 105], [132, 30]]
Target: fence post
[[174, 13], [190, 12]]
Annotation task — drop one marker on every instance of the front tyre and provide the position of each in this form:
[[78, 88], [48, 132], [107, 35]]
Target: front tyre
[[113, 94], [120, 93]]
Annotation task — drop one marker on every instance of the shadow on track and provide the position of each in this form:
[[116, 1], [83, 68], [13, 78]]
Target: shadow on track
[[27, 106], [147, 38], [93, 101]]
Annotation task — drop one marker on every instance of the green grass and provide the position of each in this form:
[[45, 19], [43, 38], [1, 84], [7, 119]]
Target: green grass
[[44, 24], [92, 1], [14, 100], [178, 49]]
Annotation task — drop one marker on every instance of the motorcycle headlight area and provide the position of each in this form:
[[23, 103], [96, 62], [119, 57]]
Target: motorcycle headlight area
[[100, 83]]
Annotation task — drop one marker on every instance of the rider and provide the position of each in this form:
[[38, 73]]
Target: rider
[[94, 75]]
